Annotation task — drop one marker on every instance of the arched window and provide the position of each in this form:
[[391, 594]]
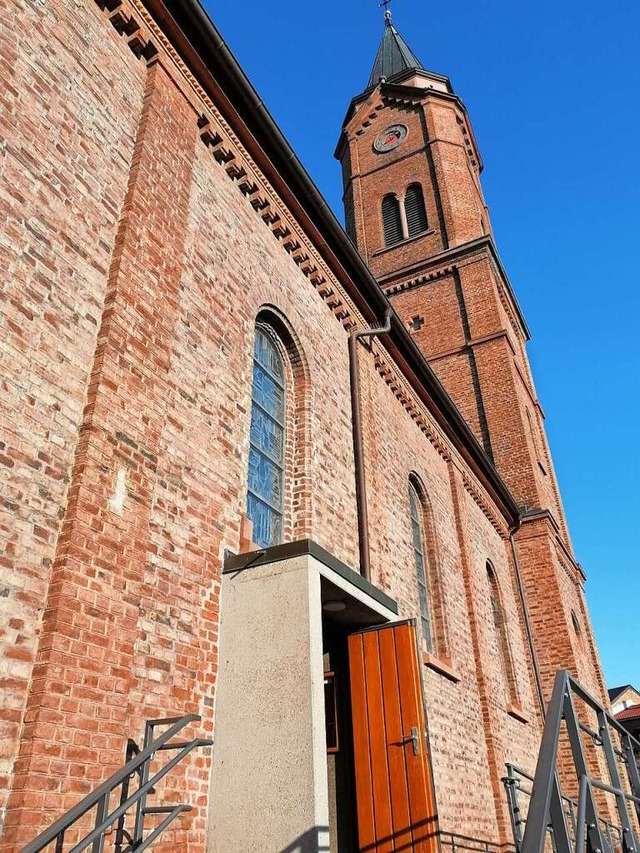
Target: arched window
[[265, 498], [415, 210], [535, 438], [391, 220], [577, 629], [421, 558], [500, 627]]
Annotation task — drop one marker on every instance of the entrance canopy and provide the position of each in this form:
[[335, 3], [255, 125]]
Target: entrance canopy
[[270, 781]]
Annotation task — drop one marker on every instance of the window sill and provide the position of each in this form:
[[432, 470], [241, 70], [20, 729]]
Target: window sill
[[517, 713], [440, 665], [403, 242]]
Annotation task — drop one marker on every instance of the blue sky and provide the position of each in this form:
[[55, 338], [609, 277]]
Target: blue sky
[[552, 91]]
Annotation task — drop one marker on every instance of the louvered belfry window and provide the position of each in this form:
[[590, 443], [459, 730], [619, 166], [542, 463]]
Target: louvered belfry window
[[391, 220], [415, 210]]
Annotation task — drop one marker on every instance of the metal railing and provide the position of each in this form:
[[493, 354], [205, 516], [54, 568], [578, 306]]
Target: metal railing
[[518, 783], [584, 828], [466, 844], [131, 807]]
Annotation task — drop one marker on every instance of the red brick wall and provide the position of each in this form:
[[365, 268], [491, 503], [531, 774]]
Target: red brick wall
[[455, 170], [67, 143], [510, 714], [77, 705]]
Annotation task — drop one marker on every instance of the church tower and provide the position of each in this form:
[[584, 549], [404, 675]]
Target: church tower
[[415, 209]]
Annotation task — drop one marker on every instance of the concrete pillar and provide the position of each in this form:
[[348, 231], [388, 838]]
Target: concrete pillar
[[269, 788], [269, 784]]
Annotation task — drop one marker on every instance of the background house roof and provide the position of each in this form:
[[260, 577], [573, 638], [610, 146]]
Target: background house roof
[[631, 713], [614, 692]]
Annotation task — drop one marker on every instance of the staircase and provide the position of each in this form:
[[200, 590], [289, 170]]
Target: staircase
[[579, 734], [115, 808]]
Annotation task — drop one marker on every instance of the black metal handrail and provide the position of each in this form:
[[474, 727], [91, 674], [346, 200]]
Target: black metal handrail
[[138, 764], [547, 805], [517, 782], [469, 844]]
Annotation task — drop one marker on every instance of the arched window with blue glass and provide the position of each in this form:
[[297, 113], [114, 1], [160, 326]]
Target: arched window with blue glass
[[265, 498], [422, 559]]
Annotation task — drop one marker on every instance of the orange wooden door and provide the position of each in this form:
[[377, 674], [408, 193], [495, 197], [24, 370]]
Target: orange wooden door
[[394, 788]]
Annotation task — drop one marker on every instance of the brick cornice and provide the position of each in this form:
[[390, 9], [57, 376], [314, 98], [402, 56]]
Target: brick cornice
[[532, 517], [480, 496], [126, 20], [412, 95], [471, 344], [409, 284], [419, 273], [542, 522]]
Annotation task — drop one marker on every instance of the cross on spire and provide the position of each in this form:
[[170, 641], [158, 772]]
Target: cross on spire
[[387, 11]]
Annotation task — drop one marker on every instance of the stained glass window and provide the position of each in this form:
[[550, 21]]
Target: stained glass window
[[417, 529], [266, 452]]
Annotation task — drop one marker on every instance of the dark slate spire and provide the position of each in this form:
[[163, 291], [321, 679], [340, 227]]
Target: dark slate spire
[[394, 54]]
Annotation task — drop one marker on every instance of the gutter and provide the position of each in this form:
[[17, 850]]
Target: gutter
[[358, 443], [205, 51], [527, 624]]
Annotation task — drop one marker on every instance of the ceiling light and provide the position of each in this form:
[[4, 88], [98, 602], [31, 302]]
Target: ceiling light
[[334, 606]]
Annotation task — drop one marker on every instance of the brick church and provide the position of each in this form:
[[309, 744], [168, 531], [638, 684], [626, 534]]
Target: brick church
[[288, 479]]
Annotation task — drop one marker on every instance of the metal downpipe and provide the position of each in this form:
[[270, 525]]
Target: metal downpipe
[[358, 442], [527, 624]]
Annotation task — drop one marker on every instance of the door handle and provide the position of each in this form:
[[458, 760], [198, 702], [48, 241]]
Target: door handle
[[414, 740]]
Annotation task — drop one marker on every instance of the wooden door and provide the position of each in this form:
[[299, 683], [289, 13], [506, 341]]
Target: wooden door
[[394, 788]]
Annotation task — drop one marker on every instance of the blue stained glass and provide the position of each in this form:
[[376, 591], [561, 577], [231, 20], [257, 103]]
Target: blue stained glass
[[267, 524], [266, 454], [267, 435], [266, 393], [265, 479], [417, 529], [267, 354]]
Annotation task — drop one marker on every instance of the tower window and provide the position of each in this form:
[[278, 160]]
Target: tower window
[[391, 220], [415, 210], [265, 497]]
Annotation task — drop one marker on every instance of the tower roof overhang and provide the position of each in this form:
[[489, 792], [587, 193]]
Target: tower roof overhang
[[436, 85], [208, 57]]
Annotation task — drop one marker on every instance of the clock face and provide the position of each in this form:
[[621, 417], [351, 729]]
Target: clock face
[[390, 138]]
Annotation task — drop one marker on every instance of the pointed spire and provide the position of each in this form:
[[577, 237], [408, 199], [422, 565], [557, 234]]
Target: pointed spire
[[394, 54]]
